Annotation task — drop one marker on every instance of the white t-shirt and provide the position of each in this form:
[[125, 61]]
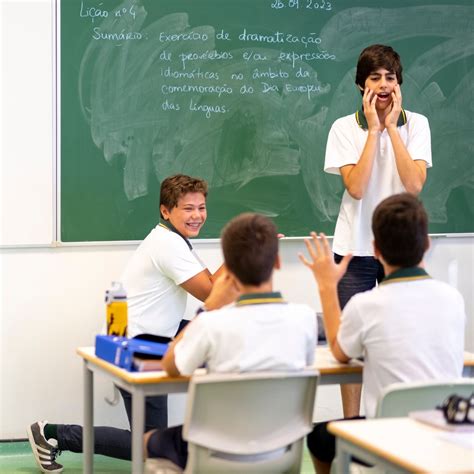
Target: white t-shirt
[[408, 329], [249, 337], [156, 302], [345, 144]]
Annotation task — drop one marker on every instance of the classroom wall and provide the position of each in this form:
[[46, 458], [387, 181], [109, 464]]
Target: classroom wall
[[51, 298]]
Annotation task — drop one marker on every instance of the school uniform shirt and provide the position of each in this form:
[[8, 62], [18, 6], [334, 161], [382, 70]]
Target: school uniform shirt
[[258, 333], [408, 329], [156, 302], [345, 144]]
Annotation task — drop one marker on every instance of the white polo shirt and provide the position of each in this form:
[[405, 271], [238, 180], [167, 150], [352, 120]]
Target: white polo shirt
[[252, 335], [345, 144], [156, 302], [408, 329]]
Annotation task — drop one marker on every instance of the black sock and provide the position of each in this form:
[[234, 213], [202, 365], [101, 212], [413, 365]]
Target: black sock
[[51, 431]]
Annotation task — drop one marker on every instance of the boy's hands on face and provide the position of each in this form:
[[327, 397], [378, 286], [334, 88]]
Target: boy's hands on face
[[225, 290], [391, 119], [368, 101], [326, 271]]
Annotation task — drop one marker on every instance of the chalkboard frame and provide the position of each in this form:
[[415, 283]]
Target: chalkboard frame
[[60, 195]]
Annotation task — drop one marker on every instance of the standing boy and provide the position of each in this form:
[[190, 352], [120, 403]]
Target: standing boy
[[408, 329], [380, 150], [247, 336], [160, 274]]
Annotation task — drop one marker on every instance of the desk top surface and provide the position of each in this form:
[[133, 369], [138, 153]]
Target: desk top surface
[[412, 445], [324, 362]]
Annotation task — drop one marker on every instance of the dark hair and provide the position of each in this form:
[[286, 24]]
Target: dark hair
[[375, 57], [176, 186], [250, 247], [400, 227]]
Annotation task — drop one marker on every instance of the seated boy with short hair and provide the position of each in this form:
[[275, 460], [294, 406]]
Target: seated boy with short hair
[[410, 328], [259, 332]]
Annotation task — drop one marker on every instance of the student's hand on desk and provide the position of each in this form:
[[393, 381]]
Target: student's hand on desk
[[224, 291], [326, 271]]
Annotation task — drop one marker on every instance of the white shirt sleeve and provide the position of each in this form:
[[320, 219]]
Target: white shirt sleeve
[[192, 351], [350, 334], [340, 148], [419, 138], [178, 262]]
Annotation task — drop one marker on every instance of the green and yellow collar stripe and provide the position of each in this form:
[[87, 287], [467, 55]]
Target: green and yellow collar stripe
[[169, 226], [362, 120], [406, 274], [260, 298]]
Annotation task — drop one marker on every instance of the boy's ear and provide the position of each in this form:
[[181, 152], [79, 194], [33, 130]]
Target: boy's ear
[[377, 253], [427, 243], [360, 87], [277, 264], [164, 212]]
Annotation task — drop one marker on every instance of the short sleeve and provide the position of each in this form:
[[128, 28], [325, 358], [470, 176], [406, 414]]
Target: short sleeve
[[192, 351], [177, 261], [340, 148], [419, 139], [351, 329]]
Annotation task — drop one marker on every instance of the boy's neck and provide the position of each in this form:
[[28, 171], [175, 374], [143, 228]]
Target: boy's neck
[[389, 269], [382, 114], [266, 287]]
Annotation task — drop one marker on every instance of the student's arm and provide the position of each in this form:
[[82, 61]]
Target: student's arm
[[200, 285], [168, 362], [224, 291], [327, 274], [412, 172], [356, 177]]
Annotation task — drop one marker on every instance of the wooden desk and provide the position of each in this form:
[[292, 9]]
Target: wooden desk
[[143, 384], [400, 445]]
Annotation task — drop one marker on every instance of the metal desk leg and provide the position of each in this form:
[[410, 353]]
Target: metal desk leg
[[138, 422], [88, 429], [343, 458]]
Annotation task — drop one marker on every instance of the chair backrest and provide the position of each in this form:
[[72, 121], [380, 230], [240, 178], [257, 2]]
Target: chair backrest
[[399, 399], [252, 422]]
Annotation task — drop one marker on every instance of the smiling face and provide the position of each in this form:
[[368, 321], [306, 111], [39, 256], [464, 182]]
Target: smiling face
[[383, 83], [189, 215]]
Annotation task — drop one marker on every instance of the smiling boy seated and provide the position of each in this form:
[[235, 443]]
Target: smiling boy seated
[[258, 331], [160, 274]]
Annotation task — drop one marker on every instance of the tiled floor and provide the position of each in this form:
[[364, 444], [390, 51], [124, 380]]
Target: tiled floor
[[16, 458]]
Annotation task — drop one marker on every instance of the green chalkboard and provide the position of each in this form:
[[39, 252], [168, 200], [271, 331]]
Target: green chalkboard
[[243, 93]]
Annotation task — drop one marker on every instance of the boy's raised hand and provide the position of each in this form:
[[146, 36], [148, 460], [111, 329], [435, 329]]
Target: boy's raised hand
[[326, 271], [391, 119], [368, 102]]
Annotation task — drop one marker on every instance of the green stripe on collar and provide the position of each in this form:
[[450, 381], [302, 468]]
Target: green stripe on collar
[[362, 121], [406, 274], [260, 298], [169, 226]]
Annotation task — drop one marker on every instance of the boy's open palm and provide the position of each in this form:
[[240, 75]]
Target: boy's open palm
[[368, 102], [326, 271], [391, 119]]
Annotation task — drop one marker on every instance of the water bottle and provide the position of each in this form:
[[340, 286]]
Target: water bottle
[[116, 302]]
